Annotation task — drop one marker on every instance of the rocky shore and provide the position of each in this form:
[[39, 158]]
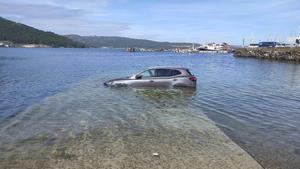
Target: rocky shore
[[288, 54]]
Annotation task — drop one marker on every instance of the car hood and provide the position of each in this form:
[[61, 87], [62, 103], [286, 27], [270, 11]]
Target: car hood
[[106, 83]]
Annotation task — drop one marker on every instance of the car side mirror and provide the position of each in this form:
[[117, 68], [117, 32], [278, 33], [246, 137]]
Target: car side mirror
[[138, 76]]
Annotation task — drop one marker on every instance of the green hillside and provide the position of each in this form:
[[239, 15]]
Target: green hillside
[[23, 34], [124, 42]]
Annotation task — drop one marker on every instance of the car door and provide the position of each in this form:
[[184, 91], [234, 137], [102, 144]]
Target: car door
[[157, 78], [162, 78], [145, 79]]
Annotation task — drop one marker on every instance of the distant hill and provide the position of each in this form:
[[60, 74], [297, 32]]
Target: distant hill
[[123, 42], [23, 34]]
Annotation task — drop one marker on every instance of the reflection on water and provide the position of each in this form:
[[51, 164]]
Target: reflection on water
[[54, 111]]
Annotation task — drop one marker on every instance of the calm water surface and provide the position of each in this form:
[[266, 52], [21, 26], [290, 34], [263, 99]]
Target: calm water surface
[[48, 94]]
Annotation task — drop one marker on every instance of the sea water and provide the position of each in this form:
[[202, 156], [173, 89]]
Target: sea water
[[53, 105]]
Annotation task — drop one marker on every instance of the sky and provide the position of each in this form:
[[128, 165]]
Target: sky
[[199, 21]]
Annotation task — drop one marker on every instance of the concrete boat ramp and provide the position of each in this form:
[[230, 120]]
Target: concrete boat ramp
[[81, 129]]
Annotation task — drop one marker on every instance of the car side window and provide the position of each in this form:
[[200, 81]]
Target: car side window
[[175, 72], [147, 74], [166, 72]]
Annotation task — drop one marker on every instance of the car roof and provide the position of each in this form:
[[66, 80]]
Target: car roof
[[167, 67]]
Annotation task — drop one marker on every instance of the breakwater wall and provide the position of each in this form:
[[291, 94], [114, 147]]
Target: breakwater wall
[[288, 54]]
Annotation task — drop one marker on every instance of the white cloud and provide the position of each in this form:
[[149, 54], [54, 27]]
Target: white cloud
[[222, 20], [81, 27], [39, 11], [61, 19]]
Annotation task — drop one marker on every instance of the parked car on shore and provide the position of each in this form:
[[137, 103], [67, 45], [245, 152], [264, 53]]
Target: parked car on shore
[[157, 77]]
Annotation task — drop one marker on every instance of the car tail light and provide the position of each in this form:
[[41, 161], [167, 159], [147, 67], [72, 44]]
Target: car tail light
[[193, 78]]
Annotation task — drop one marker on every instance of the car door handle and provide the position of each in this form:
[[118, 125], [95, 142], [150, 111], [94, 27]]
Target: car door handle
[[151, 81], [174, 79]]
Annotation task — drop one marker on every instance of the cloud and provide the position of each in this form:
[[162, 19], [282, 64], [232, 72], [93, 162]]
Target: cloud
[[168, 20], [62, 20], [73, 4], [39, 11], [81, 27]]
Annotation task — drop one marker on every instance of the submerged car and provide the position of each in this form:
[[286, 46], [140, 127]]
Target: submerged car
[[157, 77]]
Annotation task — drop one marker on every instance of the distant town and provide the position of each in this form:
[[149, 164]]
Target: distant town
[[224, 47]]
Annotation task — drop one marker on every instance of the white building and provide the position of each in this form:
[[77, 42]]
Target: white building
[[253, 45], [212, 47], [294, 40]]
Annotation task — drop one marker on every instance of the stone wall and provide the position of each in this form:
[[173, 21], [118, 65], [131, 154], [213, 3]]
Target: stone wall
[[288, 54]]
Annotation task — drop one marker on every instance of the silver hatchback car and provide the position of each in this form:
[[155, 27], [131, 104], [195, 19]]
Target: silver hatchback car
[[157, 77]]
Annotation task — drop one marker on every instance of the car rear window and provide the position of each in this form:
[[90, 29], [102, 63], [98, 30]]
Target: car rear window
[[187, 70], [166, 72]]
